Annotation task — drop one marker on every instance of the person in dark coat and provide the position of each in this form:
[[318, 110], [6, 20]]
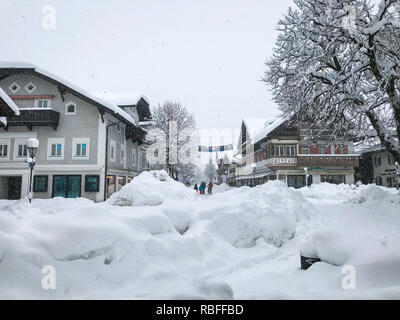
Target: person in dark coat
[[196, 187], [210, 187]]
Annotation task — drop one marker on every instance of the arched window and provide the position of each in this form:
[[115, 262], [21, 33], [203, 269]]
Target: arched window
[[70, 108]]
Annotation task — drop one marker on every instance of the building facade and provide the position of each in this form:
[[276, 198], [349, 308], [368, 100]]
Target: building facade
[[281, 151], [88, 147], [378, 166]]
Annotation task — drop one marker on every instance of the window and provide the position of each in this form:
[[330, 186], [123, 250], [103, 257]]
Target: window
[[20, 149], [55, 149], [123, 148], [378, 161], [305, 149], [42, 103], [335, 179], [30, 87], [80, 148], [112, 151], [389, 182], [14, 87], [390, 159], [272, 150], [92, 183], [290, 151], [70, 108], [339, 149], [279, 150], [4, 149], [40, 183], [378, 181], [322, 149]]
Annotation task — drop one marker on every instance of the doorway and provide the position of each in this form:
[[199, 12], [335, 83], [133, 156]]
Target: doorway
[[14, 188], [67, 186]]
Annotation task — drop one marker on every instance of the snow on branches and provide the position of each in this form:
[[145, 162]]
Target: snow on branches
[[336, 65]]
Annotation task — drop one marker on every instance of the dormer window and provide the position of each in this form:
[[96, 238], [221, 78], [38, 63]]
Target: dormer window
[[30, 87], [42, 103], [14, 87], [70, 108]]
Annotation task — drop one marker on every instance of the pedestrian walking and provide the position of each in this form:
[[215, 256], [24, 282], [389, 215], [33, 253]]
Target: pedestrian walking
[[210, 187]]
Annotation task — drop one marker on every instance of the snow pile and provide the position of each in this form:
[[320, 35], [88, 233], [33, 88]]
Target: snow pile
[[151, 189], [376, 196], [329, 192], [222, 188], [154, 239], [361, 232], [187, 246], [244, 215]]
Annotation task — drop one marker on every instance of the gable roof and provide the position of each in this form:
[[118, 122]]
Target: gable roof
[[123, 98], [129, 99], [8, 68], [7, 107], [256, 127]]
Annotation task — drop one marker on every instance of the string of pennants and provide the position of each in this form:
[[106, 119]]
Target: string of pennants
[[227, 147]]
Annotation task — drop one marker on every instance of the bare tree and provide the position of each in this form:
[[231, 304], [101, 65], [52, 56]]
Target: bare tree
[[336, 65], [209, 170], [172, 119]]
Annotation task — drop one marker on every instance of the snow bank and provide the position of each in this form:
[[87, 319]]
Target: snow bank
[[329, 192], [270, 211], [151, 189], [376, 196], [365, 233], [154, 239]]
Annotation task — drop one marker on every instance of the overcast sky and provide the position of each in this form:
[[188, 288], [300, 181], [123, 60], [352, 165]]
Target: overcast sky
[[208, 54]]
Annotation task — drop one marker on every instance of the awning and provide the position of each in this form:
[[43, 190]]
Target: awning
[[251, 176]]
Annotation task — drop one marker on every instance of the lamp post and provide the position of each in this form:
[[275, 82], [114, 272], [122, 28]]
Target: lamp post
[[32, 145], [398, 175], [254, 167], [306, 171]]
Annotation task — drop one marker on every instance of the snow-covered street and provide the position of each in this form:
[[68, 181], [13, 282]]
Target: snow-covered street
[[158, 239]]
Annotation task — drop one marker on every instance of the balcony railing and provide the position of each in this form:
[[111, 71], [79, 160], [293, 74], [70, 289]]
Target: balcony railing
[[328, 161], [35, 118], [281, 162]]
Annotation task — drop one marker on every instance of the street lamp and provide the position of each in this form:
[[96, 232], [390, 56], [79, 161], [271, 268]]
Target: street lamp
[[398, 175], [32, 145], [306, 171], [254, 167]]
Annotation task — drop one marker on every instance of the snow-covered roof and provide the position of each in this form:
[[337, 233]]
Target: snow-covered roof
[[112, 107], [272, 126], [255, 126], [122, 98], [4, 96], [364, 148]]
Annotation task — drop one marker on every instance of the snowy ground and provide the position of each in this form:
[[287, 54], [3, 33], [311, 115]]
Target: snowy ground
[[158, 239]]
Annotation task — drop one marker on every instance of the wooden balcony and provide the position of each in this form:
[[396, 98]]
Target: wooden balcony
[[281, 162], [328, 161], [35, 118]]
